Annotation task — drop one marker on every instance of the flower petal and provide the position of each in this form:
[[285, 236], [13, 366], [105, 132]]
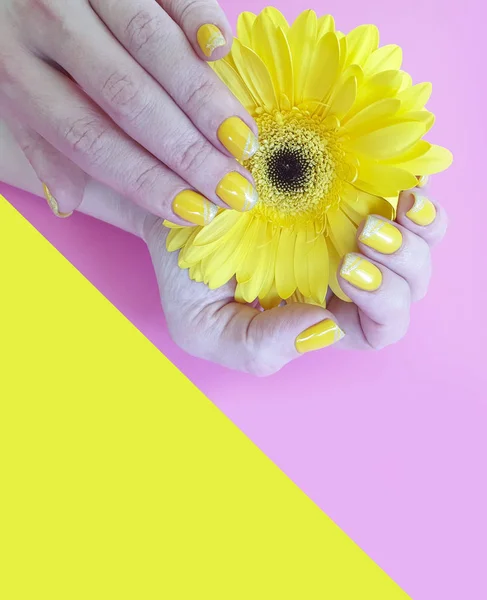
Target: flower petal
[[255, 75], [244, 27], [235, 83], [383, 180], [387, 142], [415, 97], [383, 59], [326, 23], [342, 232], [435, 160], [285, 281], [302, 40], [220, 225], [301, 263], [335, 261], [271, 299], [177, 238], [318, 269], [361, 42], [276, 17], [324, 68], [343, 98], [271, 44], [366, 119]]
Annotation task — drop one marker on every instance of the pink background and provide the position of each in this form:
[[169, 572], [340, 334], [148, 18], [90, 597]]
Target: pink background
[[392, 445]]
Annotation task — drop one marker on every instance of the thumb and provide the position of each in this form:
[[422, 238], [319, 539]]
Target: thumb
[[63, 182], [273, 338]]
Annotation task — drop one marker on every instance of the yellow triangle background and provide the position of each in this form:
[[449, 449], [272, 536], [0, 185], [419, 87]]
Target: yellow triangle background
[[119, 479]]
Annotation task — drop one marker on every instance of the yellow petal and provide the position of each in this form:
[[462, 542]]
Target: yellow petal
[[235, 83], [224, 263], [183, 264], [361, 42], [195, 273], [261, 259], [170, 225], [435, 160], [382, 85], [302, 39], [244, 272], [244, 27], [285, 281], [342, 232], [326, 23], [415, 97], [318, 269], [343, 98], [255, 75], [335, 261], [271, 300], [324, 68], [383, 180], [365, 204], [422, 116], [177, 238], [367, 118], [301, 263], [387, 142], [383, 59], [270, 269], [276, 17], [220, 225], [411, 153], [271, 44], [258, 234]]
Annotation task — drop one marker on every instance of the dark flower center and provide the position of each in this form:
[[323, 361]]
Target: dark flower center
[[289, 170]]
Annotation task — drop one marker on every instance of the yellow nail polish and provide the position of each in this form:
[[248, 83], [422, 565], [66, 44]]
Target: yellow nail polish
[[423, 181], [210, 38], [319, 336], [381, 235], [194, 208], [361, 273], [237, 192], [238, 138], [423, 211], [53, 205]]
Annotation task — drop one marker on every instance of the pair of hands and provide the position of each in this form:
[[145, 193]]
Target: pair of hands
[[211, 325], [119, 90]]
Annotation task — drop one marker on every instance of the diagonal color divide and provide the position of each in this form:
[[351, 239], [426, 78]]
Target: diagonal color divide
[[121, 480]]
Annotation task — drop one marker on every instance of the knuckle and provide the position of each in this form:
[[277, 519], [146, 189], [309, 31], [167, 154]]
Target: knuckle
[[147, 181], [190, 153], [181, 10], [50, 11], [142, 29], [124, 97], [201, 93], [86, 136]]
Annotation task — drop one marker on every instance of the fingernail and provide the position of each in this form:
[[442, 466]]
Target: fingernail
[[53, 205], [194, 208], [237, 192], [422, 181], [319, 336], [423, 211], [238, 138], [210, 38], [381, 235], [361, 273]]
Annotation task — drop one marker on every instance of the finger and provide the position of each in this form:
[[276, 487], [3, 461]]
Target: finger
[[422, 216], [58, 110], [63, 182], [382, 297], [141, 108], [398, 249], [204, 24], [159, 45]]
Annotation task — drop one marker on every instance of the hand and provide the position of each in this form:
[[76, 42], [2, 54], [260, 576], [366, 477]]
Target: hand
[[118, 90], [381, 282]]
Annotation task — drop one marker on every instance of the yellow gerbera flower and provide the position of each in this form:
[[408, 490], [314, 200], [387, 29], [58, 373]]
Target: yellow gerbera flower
[[340, 131]]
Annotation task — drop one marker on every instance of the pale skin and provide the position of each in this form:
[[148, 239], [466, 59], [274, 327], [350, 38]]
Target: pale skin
[[211, 325], [111, 104]]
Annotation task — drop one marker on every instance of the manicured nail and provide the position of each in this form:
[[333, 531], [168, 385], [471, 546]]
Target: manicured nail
[[423, 181], [238, 138], [423, 211], [53, 205], [237, 192], [319, 336], [209, 39], [381, 235], [361, 273], [194, 208]]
